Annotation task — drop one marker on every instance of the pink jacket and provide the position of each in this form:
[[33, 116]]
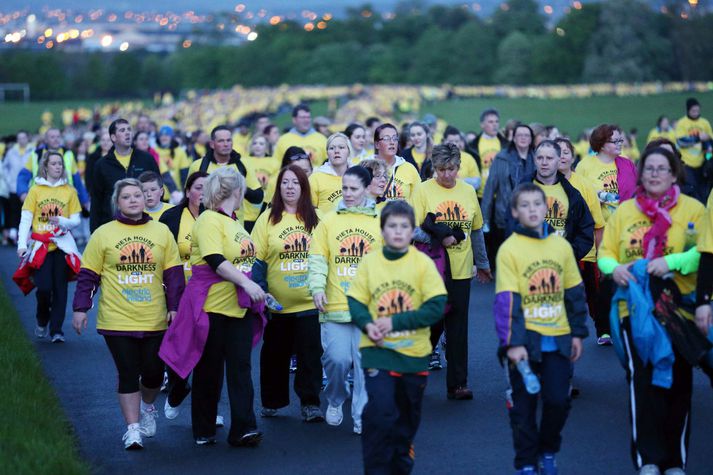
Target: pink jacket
[[626, 178], [185, 339]]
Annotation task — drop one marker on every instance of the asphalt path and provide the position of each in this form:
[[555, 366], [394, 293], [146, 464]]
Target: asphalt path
[[455, 437]]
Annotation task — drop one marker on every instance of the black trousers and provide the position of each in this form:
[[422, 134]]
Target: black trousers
[[136, 359], [51, 282], [226, 354], [456, 328], [597, 303], [695, 184], [493, 239], [283, 334], [660, 418], [390, 421], [529, 440], [13, 210]]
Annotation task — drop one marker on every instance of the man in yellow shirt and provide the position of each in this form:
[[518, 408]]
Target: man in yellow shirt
[[303, 135], [693, 137], [487, 144]]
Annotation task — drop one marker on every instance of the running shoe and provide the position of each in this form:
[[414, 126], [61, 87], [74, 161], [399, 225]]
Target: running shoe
[[334, 415], [312, 413], [674, 471], [268, 412], [148, 421], [548, 464], [435, 362], [604, 340], [169, 411], [205, 441], [357, 427], [164, 384], [132, 439], [649, 469], [528, 470], [249, 439], [293, 364], [42, 332], [460, 393], [57, 338], [219, 421]]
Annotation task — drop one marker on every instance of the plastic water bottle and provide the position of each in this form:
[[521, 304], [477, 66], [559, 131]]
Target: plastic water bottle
[[272, 303], [532, 384], [691, 237]]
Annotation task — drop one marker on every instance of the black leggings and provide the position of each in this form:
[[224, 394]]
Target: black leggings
[[136, 358]]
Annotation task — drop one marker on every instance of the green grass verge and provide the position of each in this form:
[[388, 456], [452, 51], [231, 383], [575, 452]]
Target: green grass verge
[[36, 435]]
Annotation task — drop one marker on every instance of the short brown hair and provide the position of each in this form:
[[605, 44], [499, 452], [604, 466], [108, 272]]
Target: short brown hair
[[601, 135], [673, 161]]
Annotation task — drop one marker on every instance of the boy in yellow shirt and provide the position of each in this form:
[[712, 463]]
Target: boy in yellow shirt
[[396, 296], [540, 317]]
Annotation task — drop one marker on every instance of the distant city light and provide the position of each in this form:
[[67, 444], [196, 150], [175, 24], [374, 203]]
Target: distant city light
[[124, 46], [48, 32], [106, 41], [548, 9], [252, 36], [187, 43]]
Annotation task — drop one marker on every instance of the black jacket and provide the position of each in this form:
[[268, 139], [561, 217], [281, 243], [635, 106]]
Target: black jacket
[[579, 228], [107, 171], [254, 196]]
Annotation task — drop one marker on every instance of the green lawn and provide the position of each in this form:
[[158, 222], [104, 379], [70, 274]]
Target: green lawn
[[572, 116], [18, 115], [36, 436]]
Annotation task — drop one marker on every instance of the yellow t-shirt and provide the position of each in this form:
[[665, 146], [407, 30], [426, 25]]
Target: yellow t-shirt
[[156, 215], [124, 160], [586, 189], [241, 143], [488, 147], [265, 170], [131, 260], [709, 204], [557, 206], [216, 233], [685, 127], [418, 157], [185, 228], [540, 270], [180, 161], [284, 247], [625, 230], [388, 287], [468, 166], [343, 239], [325, 190], [456, 207], [581, 148], [45, 202], [655, 133], [603, 177], [315, 144], [405, 179]]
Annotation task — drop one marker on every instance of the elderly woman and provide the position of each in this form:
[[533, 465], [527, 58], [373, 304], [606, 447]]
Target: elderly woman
[[326, 181], [51, 209], [454, 203], [135, 260], [654, 226]]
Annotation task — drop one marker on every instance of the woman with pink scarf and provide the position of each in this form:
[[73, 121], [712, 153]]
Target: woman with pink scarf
[[658, 224]]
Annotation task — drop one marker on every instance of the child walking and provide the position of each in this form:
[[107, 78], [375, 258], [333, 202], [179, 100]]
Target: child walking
[[396, 296], [540, 317]]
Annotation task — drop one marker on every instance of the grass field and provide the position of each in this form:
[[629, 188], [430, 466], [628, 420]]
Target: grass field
[[36, 436], [570, 115]]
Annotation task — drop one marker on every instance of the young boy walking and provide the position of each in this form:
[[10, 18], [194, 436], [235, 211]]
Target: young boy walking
[[540, 317], [396, 296]]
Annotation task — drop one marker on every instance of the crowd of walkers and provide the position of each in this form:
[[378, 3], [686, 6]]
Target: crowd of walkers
[[350, 256]]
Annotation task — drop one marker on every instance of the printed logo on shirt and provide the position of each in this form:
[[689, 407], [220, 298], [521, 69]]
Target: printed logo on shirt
[[335, 196], [247, 253], [394, 301], [451, 212], [353, 245], [556, 213], [395, 190], [634, 248], [544, 298], [294, 255], [136, 268], [49, 208], [488, 157]]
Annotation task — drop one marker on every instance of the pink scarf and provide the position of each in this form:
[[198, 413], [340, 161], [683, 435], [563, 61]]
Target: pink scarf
[[657, 210]]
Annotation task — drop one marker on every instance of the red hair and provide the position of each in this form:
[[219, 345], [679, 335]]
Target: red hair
[[601, 136], [305, 210]]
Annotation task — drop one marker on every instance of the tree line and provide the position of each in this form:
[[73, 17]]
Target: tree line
[[611, 41]]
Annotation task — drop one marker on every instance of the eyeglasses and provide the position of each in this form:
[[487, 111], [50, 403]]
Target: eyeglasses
[[395, 138], [657, 171], [381, 177], [616, 142], [299, 156]]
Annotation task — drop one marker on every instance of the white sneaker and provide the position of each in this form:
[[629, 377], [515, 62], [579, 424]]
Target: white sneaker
[[169, 411], [357, 427], [219, 421], [334, 415], [674, 471], [57, 338], [148, 421], [42, 332], [649, 469], [132, 439]]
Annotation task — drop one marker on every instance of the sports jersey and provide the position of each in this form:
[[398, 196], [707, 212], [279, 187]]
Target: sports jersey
[[131, 260], [343, 239], [325, 188], [586, 189], [389, 287], [155, 215], [217, 233], [625, 230], [45, 202], [557, 206], [403, 178], [540, 270], [603, 176], [488, 147], [185, 228], [456, 207], [284, 247], [314, 143], [687, 128]]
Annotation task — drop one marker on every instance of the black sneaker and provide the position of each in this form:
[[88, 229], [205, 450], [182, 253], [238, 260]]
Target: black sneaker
[[249, 439], [312, 414], [460, 393]]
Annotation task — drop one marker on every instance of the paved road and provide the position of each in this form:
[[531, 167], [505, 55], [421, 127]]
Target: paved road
[[455, 437]]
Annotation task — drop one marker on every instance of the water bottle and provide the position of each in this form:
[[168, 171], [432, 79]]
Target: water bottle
[[691, 237], [272, 303], [532, 384]]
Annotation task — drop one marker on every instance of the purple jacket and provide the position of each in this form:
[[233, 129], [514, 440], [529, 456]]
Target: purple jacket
[[626, 178], [185, 339]]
